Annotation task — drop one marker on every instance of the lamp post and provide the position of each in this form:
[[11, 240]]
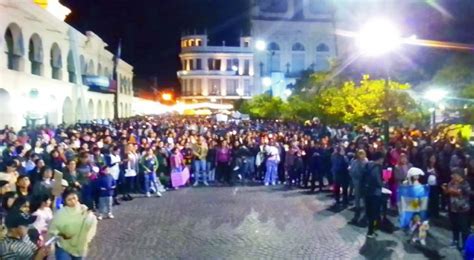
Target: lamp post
[[435, 96], [376, 38]]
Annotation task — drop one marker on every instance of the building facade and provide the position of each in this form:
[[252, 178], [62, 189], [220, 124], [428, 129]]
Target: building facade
[[43, 63], [215, 73], [297, 35]]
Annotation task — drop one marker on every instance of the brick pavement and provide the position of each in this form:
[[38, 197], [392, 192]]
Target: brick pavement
[[247, 223]]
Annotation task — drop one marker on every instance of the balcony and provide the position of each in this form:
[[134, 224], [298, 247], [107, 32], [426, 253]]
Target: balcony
[[217, 49], [187, 73]]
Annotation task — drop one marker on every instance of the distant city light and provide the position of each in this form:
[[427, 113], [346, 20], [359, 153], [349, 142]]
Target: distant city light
[[235, 68]]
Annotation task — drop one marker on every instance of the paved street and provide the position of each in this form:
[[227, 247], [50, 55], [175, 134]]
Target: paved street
[[248, 223]]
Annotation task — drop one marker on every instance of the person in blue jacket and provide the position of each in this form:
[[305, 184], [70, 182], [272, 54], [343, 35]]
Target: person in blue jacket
[[105, 188]]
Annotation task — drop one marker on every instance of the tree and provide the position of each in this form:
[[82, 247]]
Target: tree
[[369, 102], [263, 106]]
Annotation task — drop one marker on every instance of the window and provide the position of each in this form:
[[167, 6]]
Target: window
[[235, 62], [298, 58], [56, 61], [231, 87], [14, 47], [191, 42], [214, 87], [247, 67], [191, 64], [229, 64], [198, 64], [246, 44], [36, 55], [273, 57], [198, 42], [214, 64], [322, 48]]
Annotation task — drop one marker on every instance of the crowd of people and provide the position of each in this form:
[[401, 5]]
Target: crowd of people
[[57, 182]]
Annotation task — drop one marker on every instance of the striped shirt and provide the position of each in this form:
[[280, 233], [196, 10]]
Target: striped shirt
[[17, 249]]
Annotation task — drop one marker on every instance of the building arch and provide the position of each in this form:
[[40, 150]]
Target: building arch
[[107, 110], [107, 73], [100, 110], [99, 70], [53, 115], [14, 47], [56, 62], [90, 109], [82, 63], [35, 54], [68, 111], [90, 68], [297, 47], [322, 47]]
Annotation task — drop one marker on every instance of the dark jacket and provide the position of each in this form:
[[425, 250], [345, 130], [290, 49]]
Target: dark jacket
[[105, 185], [371, 180]]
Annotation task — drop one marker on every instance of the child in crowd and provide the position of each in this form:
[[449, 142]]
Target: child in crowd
[[105, 187]]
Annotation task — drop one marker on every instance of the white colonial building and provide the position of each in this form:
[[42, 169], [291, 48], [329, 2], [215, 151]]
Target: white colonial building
[[215, 73], [298, 35], [287, 38], [44, 62]]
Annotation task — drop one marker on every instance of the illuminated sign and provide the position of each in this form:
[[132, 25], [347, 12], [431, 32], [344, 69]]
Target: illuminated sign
[[100, 84]]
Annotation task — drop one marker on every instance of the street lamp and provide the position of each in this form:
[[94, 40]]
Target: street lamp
[[37, 108], [167, 97], [378, 37], [266, 82], [260, 45]]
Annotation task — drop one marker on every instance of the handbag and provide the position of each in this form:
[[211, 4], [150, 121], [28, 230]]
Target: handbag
[[130, 173]]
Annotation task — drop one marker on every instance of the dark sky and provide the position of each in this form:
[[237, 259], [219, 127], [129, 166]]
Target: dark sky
[[150, 29]]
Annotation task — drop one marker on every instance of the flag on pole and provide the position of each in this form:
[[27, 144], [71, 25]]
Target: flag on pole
[[412, 200]]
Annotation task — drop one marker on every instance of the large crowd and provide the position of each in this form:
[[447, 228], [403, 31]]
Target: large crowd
[[57, 182]]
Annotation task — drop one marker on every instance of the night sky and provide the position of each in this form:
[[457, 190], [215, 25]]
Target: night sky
[[150, 29]]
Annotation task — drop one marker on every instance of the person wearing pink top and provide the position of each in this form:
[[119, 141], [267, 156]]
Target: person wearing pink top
[[223, 160]]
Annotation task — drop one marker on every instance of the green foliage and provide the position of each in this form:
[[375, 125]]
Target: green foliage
[[263, 106], [366, 102]]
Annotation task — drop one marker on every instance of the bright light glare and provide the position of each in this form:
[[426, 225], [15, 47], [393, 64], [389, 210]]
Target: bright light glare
[[235, 68], [436, 95], [288, 92], [167, 96], [377, 37], [266, 82], [240, 92], [261, 45]]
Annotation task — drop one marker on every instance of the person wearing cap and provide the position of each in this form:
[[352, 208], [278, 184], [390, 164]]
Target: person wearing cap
[[458, 190], [17, 245]]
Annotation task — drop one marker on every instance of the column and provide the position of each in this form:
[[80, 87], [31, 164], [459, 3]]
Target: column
[[241, 66], [223, 87], [205, 86], [223, 64]]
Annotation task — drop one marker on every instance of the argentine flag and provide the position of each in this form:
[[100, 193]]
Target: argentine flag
[[412, 199]]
